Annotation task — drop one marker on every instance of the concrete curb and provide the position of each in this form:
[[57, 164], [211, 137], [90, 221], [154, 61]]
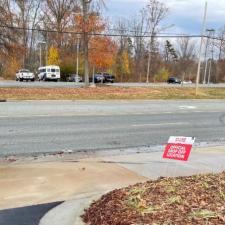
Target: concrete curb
[[69, 212], [151, 166]]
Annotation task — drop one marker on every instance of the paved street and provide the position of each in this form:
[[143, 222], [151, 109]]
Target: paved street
[[30, 215], [51, 126], [38, 84], [220, 85], [41, 84]]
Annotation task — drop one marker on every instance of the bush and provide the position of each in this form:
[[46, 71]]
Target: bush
[[66, 69], [162, 75], [9, 71]]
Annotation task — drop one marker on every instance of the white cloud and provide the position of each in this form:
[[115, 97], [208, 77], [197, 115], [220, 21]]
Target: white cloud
[[186, 14], [194, 8]]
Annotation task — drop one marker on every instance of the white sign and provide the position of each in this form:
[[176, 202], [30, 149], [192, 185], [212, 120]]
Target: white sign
[[181, 140]]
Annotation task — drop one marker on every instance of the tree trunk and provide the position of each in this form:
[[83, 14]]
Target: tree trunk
[[85, 39]]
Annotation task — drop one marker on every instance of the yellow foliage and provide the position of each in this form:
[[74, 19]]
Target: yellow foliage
[[123, 63], [53, 56], [126, 64], [162, 75]]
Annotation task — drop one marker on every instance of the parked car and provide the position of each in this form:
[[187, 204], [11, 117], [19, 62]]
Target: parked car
[[74, 78], [49, 73], [98, 78], [25, 74], [109, 78], [187, 82], [174, 80]]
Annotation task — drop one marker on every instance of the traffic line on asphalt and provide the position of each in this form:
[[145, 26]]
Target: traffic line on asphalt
[[187, 107]]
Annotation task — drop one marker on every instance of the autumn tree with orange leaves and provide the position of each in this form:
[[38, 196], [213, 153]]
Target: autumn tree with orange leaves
[[94, 23], [102, 53], [102, 50]]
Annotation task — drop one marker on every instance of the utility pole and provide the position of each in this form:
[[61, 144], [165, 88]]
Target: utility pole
[[220, 52], [46, 50], [85, 40], [212, 56], [210, 32], [40, 56], [40, 44], [210, 69], [200, 50], [149, 58], [149, 62], [78, 50], [206, 60]]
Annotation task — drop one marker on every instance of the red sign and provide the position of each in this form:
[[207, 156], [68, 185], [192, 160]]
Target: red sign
[[179, 148]]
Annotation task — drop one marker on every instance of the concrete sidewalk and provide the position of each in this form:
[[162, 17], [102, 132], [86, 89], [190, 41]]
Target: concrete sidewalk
[[46, 182], [79, 182], [149, 165]]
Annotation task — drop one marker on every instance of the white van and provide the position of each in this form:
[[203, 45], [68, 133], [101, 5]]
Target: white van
[[49, 73]]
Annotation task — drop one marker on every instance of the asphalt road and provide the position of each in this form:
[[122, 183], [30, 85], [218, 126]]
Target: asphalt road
[[52, 126], [220, 85], [30, 215], [42, 84]]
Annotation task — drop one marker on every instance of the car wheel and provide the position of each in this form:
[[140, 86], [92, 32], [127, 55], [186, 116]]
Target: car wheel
[[21, 79]]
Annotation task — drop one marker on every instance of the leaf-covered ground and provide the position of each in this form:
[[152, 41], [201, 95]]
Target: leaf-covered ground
[[109, 93], [179, 201]]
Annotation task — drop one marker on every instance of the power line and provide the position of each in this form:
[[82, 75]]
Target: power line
[[96, 34], [111, 34], [143, 32]]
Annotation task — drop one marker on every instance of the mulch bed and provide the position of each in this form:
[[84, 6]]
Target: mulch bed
[[182, 201]]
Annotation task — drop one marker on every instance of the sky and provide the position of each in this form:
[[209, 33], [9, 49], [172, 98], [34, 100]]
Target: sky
[[185, 15]]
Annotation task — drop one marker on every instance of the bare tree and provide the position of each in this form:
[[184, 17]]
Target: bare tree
[[10, 48], [186, 55], [140, 29], [7, 36], [57, 16], [220, 44], [27, 18], [155, 12]]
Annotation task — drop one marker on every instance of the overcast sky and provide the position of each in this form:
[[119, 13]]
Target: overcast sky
[[186, 15]]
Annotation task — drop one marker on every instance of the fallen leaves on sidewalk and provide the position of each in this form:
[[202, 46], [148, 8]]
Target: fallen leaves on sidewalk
[[195, 200]]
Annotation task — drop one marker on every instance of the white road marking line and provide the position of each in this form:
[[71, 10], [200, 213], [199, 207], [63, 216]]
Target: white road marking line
[[187, 107], [159, 124]]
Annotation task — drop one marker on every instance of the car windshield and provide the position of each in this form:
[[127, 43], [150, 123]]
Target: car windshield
[[24, 71]]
